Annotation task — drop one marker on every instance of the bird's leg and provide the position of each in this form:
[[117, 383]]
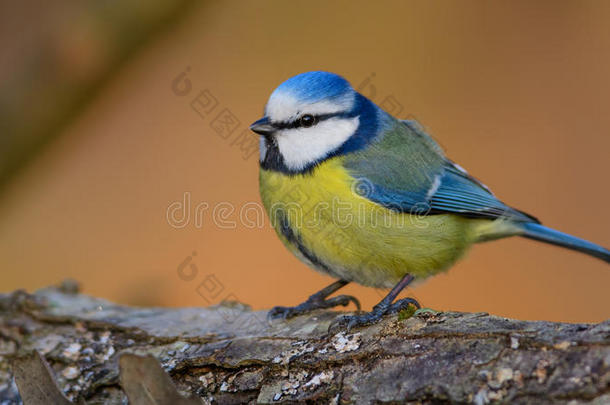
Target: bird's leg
[[318, 300], [385, 306]]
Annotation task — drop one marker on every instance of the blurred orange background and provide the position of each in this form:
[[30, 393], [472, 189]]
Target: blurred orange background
[[516, 92]]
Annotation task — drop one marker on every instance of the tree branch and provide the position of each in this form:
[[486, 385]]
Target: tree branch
[[229, 354]]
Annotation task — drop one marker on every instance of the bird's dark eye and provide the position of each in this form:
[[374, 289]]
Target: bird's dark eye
[[307, 120]]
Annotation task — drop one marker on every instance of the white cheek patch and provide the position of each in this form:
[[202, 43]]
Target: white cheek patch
[[303, 146], [284, 108]]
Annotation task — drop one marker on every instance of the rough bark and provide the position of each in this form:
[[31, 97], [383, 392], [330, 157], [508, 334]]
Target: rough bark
[[92, 351]]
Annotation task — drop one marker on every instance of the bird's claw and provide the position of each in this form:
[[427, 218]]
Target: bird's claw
[[403, 304], [281, 313], [342, 300], [311, 305], [347, 322]]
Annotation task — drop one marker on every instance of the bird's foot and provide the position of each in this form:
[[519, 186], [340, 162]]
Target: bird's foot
[[311, 304], [348, 322]]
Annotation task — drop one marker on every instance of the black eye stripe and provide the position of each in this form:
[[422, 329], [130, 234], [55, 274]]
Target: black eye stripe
[[297, 123]]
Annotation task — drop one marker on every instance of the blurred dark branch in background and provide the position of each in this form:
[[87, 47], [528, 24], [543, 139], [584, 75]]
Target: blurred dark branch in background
[[54, 56]]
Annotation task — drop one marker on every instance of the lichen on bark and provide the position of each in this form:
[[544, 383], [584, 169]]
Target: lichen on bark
[[97, 351]]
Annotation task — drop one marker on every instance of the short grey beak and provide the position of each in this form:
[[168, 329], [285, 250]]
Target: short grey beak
[[262, 126]]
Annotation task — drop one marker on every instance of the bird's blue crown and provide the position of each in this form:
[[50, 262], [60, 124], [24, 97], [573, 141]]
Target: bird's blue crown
[[315, 86]]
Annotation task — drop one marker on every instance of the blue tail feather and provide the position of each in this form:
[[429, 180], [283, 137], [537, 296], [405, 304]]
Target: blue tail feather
[[542, 233]]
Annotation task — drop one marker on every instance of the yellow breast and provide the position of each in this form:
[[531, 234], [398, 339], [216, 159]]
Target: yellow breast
[[324, 220]]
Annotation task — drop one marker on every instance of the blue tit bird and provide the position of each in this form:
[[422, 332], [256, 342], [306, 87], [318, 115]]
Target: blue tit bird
[[368, 198]]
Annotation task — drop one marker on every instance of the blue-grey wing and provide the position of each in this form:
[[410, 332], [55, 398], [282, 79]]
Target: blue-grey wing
[[406, 171]]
